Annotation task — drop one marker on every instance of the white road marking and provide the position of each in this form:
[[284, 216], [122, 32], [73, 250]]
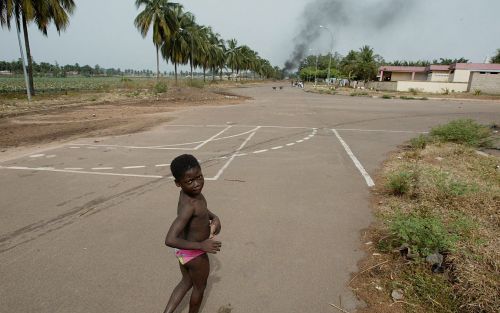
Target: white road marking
[[162, 165], [235, 153], [74, 147], [73, 168], [51, 156], [261, 151], [290, 144], [37, 155], [382, 130], [101, 168], [80, 172], [368, 179], [299, 141], [212, 138], [133, 167], [276, 148]]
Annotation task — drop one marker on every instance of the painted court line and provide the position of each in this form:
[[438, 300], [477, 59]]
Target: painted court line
[[366, 176], [133, 167], [212, 138], [236, 153], [41, 169], [382, 130]]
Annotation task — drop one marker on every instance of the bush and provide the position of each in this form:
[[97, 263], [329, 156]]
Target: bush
[[465, 132], [196, 83], [407, 98], [414, 91], [386, 97], [423, 234], [160, 87], [477, 92], [401, 182], [419, 142]]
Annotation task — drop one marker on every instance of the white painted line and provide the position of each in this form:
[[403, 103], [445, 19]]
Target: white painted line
[[51, 156], [368, 179], [306, 138], [73, 168], [276, 148], [212, 138], [74, 147], [80, 172], [43, 168], [299, 141], [36, 155], [290, 144], [261, 151], [101, 168], [382, 130], [241, 154], [133, 167], [235, 153], [162, 165]]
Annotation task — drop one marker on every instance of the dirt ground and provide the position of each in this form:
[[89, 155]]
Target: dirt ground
[[64, 117]]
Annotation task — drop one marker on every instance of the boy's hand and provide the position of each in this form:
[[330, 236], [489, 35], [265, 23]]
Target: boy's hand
[[211, 246], [215, 226]]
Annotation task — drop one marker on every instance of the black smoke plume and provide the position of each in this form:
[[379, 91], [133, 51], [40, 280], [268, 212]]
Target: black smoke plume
[[342, 15]]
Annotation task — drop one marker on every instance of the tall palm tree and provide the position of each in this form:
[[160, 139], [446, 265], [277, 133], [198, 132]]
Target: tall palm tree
[[233, 55], [42, 13], [176, 48], [157, 13]]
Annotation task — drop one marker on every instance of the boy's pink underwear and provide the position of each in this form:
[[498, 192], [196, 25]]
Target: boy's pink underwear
[[185, 256]]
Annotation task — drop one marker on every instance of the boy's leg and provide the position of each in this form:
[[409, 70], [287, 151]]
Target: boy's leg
[[198, 269], [179, 291]]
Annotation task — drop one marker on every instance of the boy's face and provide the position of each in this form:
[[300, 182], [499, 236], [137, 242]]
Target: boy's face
[[192, 182]]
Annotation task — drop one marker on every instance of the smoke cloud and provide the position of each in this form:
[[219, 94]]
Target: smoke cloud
[[340, 15]]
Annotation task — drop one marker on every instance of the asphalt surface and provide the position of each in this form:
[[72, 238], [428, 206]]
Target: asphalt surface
[[82, 225]]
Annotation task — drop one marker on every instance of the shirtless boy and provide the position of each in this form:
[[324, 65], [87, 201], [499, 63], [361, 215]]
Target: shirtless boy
[[191, 233]]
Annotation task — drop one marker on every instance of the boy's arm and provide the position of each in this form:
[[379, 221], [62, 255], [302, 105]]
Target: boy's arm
[[173, 239], [215, 222]]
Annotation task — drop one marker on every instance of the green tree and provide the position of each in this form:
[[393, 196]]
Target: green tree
[[156, 13], [496, 58], [366, 67], [42, 13]]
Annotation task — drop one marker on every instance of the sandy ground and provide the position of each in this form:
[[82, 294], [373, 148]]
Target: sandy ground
[[65, 117]]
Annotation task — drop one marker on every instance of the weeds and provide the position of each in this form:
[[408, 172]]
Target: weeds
[[160, 87], [464, 131], [359, 94], [419, 142], [386, 97], [477, 92], [401, 182], [196, 83]]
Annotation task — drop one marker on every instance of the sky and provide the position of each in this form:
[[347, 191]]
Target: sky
[[102, 32]]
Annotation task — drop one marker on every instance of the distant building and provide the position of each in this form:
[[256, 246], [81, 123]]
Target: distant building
[[458, 77], [5, 73]]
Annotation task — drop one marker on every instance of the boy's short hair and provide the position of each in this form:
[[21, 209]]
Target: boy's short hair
[[182, 164]]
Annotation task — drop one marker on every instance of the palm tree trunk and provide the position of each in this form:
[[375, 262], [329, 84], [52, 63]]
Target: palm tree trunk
[[28, 56], [175, 66], [157, 64], [204, 74]]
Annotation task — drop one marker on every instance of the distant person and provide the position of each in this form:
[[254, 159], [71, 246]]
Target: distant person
[[191, 233]]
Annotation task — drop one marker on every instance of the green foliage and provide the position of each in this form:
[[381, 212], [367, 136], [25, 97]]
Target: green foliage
[[496, 58], [160, 87], [463, 131], [450, 187], [419, 142], [407, 98], [432, 292], [386, 97], [196, 83], [359, 94], [401, 182], [477, 92], [424, 234]]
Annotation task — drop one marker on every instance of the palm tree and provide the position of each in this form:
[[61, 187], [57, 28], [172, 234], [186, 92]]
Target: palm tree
[[176, 48], [40, 12], [233, 56], [159, 14]]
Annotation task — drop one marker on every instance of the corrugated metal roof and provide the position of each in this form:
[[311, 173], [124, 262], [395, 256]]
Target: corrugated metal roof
[[410, 69]]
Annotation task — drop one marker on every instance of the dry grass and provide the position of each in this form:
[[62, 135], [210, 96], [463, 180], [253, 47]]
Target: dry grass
[[450, 200]]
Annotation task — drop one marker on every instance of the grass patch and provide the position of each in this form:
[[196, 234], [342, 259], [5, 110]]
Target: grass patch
[[196, 83], [387, 97], [463, 131], [160, 87], [441, 197], [359, 94]]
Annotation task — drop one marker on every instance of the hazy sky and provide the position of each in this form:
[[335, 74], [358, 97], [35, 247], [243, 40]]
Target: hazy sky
[[102, 31]]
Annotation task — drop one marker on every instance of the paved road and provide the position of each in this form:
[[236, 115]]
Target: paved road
[[82, 225]]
